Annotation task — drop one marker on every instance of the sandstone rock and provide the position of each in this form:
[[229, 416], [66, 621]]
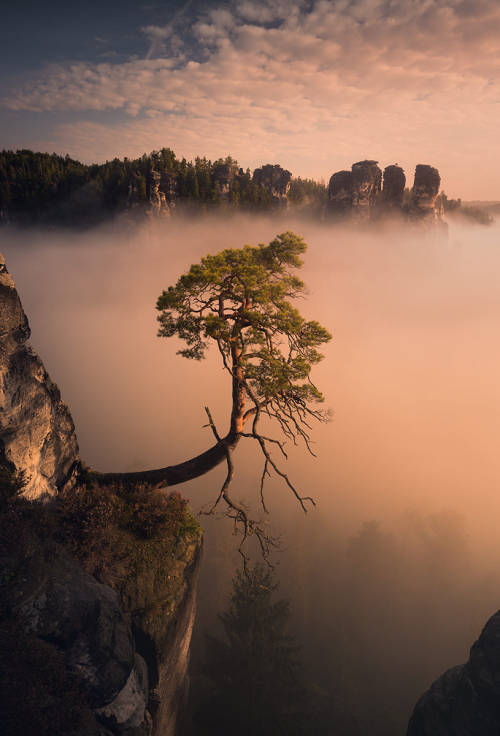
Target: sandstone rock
[[393, 188], [224, 174], [423, 202], [82, 617], [69, 609], [173, 682], [127, 648], [465, 701], [127, 710], [358, 194], [122, 636], [366, 183], [340, 194], [157, 199], [354, 193], [275, 180], [37, 433]]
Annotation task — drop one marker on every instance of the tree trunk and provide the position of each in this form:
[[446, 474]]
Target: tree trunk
[[201, 464], [174, 474]]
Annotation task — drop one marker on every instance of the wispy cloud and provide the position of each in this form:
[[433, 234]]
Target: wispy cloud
[[164, 38]]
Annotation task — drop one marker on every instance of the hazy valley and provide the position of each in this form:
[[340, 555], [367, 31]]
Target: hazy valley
[[392, 575]]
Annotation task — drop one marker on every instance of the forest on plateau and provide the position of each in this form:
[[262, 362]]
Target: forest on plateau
[[50, 189]]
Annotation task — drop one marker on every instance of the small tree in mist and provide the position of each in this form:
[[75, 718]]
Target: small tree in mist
[[254, 671], [240, 301]]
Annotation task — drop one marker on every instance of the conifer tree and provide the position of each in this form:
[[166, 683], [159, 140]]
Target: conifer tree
[[240, 300], [254, 670]]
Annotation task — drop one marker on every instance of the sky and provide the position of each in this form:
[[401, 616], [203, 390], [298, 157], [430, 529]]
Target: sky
[[313, 85]]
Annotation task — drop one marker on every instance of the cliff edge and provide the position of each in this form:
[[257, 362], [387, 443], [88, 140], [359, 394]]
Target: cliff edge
[[97, 584], [37, 434]]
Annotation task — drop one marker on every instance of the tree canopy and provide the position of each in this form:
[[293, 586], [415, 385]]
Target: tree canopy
[[51, 189]]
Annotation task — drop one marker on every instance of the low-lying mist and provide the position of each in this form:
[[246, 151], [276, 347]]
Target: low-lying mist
[[411, 376]]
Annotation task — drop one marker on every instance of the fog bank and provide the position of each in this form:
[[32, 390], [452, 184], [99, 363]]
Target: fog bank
[[411, 374], [394, 572]]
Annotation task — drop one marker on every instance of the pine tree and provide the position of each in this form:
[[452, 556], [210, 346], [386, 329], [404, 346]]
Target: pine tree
[[254, 671]]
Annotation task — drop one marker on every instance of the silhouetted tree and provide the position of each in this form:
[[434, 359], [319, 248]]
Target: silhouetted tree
[[253, 671]]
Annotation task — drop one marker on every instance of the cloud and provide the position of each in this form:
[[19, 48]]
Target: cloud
[[289, 74], [160, 35]]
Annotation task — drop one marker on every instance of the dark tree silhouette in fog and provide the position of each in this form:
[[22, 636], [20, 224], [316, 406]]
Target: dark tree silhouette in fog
[[253, 672]]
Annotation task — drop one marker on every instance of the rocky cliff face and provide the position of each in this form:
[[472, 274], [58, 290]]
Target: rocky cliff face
[[37, 434], [465, 701], [224, 176], [366, 185], [423, 202], [340, 194], [157, 199], [275, 180], [115, 619], [123, 645], [355, 193], [394, 187], [359, 195]]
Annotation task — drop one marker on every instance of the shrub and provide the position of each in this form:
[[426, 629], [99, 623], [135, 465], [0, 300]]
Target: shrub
[[148, 513], [88, 513], [85, 515]]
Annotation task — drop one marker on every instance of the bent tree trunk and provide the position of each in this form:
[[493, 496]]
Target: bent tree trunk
[[174, 474]]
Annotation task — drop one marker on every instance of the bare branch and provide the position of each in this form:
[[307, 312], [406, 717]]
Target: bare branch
[[242, 522], [267, 439], [265, 472]]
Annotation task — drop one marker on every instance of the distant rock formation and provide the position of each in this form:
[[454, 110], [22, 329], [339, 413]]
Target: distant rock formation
[[157, 199], [224, 175], [355, 193], [169, 188], [366, 186], [393, 189], [465, 701], [275, 180], [37, 434], [423, 202], [359, 195], [340, 194]]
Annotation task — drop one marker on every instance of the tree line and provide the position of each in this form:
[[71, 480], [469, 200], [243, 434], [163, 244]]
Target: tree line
[[42, 188]]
